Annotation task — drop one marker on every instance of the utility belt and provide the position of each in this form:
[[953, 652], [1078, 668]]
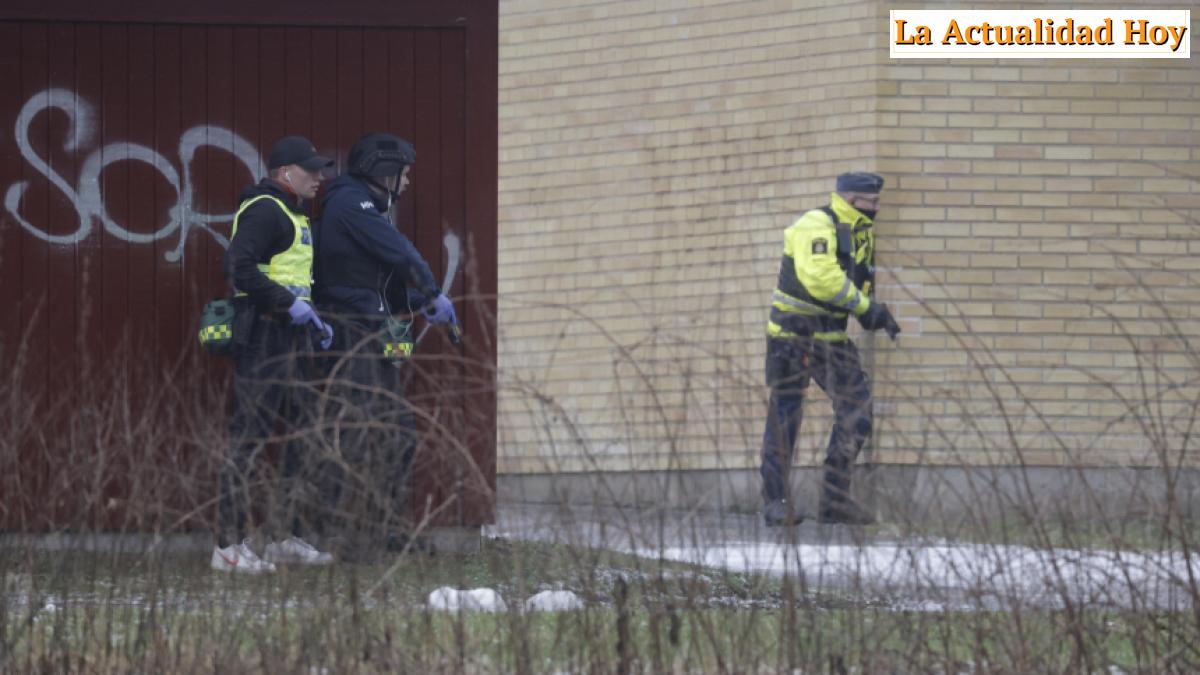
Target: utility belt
[[394, 335], [819, 326]]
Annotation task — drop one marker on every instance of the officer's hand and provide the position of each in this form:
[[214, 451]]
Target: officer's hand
[[878, 316], [326, 336], [302, 313], [890, 325], [441, 310]]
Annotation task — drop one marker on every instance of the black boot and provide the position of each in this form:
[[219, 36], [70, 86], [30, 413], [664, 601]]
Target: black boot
[[781, 513], [837, 506], [844, 511]]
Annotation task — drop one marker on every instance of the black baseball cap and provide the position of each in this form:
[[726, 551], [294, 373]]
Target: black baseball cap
[[860, 181], [297, 150]]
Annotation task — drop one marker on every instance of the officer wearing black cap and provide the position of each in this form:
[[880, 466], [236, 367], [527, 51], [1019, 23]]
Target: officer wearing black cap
[[826, 275], [370, 280], [269, 262]]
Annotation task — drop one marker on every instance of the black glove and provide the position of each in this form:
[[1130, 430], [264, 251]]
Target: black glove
[[877, 316]]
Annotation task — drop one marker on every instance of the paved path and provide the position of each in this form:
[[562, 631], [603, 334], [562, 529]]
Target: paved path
[[904, 573]]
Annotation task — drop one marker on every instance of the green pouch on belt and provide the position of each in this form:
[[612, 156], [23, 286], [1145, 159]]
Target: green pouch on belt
[[216, 327], [397, 339]]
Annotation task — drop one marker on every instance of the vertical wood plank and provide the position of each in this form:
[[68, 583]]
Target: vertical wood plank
[[272, 95], [116, 187], [349, 88], [481, 125], [427, 129], [168, 128], [34, 270], [89, 85], [13, 473], [223, 178], [323, 92], [298, 97], [62, 261], [142, 213], [433, 471], [401, 101], [246, 82], [376, 81]]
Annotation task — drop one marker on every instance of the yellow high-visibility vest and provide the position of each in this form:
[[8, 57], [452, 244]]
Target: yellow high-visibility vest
[[291, 268]]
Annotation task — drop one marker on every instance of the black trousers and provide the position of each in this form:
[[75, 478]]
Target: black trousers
[[272, 390], [790, 365], [371, 429]]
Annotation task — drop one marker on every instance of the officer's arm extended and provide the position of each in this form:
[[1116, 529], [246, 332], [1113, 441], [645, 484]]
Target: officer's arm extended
[[261, 233], [372, 231], [812, 244]]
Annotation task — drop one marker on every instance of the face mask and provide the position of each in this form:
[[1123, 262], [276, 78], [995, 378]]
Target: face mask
[[870, 213]]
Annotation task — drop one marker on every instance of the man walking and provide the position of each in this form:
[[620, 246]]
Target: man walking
[[827, 273], [370, 279], [269, 262]]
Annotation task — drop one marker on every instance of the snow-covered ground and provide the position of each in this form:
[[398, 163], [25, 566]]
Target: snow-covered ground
[[991, 574], [907, 574]]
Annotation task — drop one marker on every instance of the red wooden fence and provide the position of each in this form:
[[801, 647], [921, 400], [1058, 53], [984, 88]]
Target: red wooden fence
[[125, 137]]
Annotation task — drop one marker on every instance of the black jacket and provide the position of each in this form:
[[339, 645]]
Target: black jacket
[[363, 264], [263, 232]]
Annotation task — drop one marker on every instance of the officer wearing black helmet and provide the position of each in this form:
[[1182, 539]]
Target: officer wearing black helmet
[[367, 275], [826, 275]]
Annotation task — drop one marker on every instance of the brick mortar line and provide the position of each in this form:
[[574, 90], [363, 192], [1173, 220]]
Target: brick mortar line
[[601, 32], [614, 3]]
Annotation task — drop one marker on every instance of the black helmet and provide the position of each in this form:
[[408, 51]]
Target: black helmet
[[380, 154]]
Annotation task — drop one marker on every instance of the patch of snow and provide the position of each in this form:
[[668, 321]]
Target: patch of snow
[[1119, 578], [474, 600], [553, 601]]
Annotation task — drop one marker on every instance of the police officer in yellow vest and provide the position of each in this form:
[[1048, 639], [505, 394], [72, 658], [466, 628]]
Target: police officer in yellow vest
[[826, 275], [269, 262]]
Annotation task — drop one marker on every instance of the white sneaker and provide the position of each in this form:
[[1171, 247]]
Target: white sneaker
[[296, 550], [239, 558]]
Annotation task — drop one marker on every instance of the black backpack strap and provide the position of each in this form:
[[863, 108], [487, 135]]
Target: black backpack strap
[[845, 242]]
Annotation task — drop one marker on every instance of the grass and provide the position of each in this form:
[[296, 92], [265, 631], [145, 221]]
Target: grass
[[169, 613], [1127, 531]]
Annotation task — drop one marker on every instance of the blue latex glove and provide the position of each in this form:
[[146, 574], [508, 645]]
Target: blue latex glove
[[302, 313], [441, 310]]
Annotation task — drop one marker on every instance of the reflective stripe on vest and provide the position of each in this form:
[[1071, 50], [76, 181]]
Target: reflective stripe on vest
[[774, 330], [784, 323], [291, 268], [787, 303]]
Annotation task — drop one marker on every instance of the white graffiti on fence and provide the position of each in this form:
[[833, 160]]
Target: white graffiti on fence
[[86, 195]]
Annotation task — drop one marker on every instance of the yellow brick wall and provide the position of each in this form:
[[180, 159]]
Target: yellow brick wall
[[651, 155]]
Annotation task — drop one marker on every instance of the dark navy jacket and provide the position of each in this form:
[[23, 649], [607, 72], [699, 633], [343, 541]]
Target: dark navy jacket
[[363, 264]]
